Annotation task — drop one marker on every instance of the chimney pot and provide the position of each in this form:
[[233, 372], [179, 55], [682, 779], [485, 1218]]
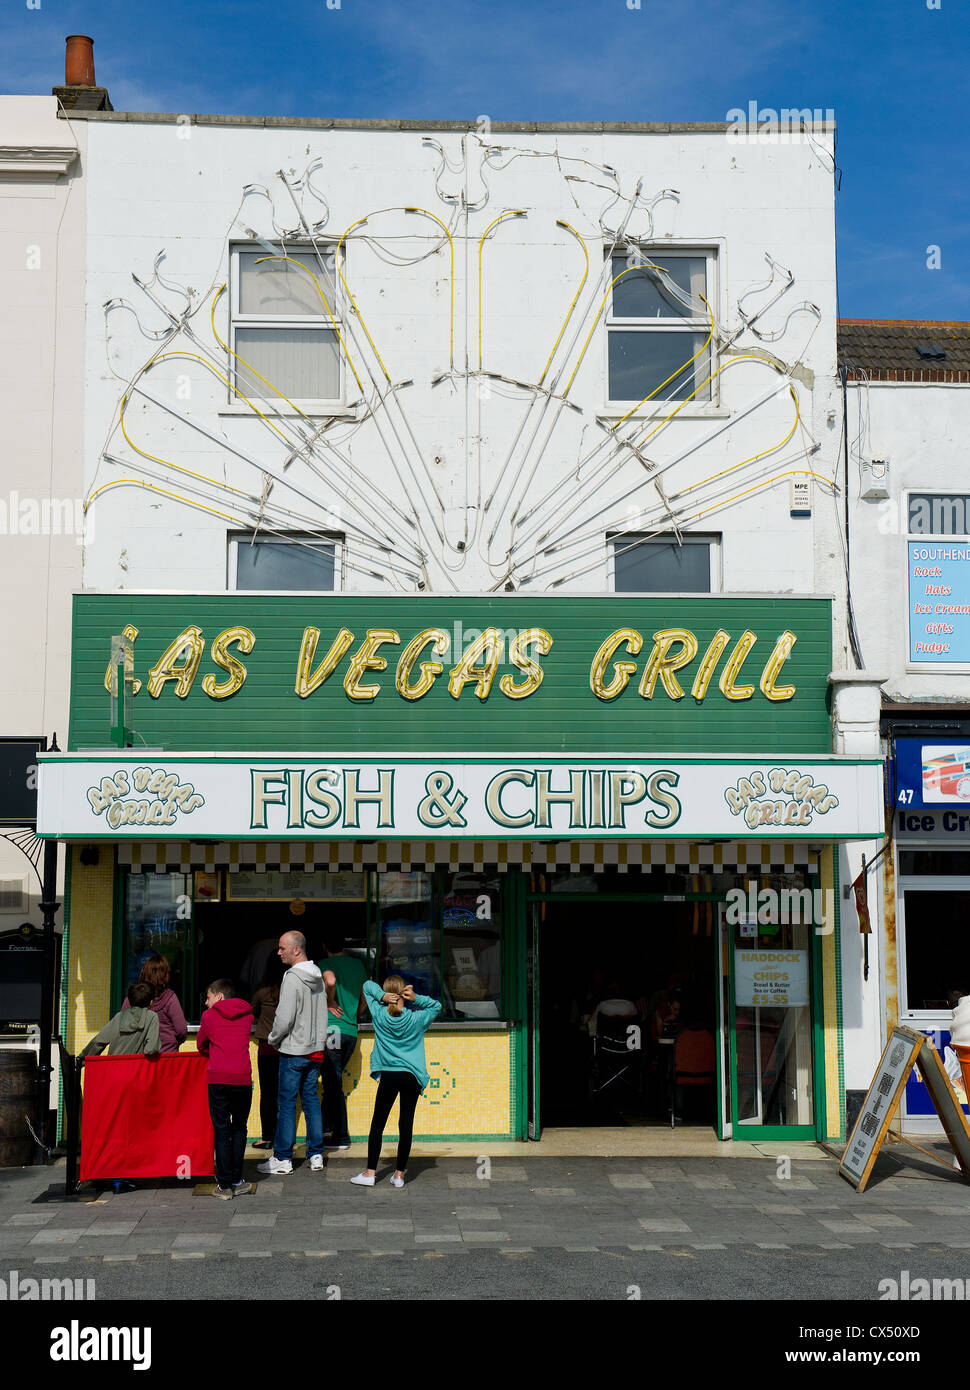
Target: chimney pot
[[79, 61]]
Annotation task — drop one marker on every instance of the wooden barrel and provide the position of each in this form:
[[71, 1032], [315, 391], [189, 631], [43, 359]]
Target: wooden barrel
[[18, 1096]]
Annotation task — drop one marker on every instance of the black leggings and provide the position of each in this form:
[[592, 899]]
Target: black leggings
[[391, 1085]]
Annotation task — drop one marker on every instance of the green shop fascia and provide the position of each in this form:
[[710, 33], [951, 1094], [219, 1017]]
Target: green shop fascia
[[599, 828]]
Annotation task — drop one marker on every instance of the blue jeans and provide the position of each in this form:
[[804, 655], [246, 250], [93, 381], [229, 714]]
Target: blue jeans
[[340, 1049], [298, 1077]]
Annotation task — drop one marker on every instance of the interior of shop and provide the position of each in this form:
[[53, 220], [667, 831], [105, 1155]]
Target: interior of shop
[[442, 933], [627, 1013], [239, 940]]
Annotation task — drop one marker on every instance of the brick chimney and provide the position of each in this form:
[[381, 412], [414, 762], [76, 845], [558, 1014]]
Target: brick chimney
[[80, 91]]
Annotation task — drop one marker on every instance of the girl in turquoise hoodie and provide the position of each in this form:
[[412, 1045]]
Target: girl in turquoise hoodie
[[397, 1061]]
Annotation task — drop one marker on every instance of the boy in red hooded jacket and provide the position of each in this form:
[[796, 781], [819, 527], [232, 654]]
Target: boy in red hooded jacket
[[224, 1038]]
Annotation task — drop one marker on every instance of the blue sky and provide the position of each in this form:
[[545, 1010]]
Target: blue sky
[[895, 72]]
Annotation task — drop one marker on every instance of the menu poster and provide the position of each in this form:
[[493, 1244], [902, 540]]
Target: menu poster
[[770, 979], [880, 1105], [317, 886], [939, 603]]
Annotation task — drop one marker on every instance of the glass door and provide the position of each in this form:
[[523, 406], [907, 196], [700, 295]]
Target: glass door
[[768, 972]]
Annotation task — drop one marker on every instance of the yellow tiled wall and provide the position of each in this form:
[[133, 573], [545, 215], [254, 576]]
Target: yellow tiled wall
[[470, 1091], [88, 983]]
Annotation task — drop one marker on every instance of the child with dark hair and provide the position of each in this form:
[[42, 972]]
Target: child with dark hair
[[133, 1029], [223, 1037]]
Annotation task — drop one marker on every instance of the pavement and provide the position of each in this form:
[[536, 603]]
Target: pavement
[[533, 1225]]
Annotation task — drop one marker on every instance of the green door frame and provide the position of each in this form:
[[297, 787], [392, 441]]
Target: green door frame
[[751, 1133], [815, 1130]]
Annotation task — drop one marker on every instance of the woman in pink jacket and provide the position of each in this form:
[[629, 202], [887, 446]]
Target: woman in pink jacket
[[172, 1028]]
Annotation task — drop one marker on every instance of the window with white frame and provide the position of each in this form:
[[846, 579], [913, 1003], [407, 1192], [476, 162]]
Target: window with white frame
[[285, 320], [657, 322], [292, 563], [665, 565]]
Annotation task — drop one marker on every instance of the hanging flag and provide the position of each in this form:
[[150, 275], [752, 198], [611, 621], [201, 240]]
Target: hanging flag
[[862, 902]]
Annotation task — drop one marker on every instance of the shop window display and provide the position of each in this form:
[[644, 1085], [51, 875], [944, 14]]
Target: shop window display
[[159, 909], [442, 932]]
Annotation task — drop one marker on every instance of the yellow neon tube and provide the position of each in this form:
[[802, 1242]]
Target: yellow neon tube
[[575, 297], [791, 473], [516, 212], [216, 372], [677, 373], [753, 459], [139, 482], [300, 266], [276, 391], [353, 301], [745, 357], [167, 463], [629, 271]]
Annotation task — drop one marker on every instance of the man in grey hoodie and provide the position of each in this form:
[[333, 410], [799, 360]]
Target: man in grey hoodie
[[300, 1032]]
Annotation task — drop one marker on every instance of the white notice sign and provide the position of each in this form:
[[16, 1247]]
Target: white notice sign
[[770, 979]]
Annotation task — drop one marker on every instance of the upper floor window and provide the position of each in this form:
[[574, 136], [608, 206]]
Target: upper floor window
[[294, 563], [285, 321], [656, 323], [664, 565]]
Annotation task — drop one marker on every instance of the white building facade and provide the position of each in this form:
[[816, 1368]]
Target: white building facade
[[908, 388], [436, 369], [42, 247]]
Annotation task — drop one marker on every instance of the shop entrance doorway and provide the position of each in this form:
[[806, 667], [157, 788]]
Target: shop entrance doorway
[[623, 1005]]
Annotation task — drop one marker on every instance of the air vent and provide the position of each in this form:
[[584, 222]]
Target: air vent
[[931, 351], [13, 895]]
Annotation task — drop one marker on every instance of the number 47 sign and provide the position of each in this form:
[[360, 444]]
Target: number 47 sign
[[905, 1049]]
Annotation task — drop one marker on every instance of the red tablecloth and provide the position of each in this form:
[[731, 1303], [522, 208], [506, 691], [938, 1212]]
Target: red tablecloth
[[146, 1117]]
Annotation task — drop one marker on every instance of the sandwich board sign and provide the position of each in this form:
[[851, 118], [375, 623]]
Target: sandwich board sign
[[905, 1049]]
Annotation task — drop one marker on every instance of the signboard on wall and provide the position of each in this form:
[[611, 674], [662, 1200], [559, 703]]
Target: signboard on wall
[[315, 886], [21, 978], [18, 780], [420, 673], [939, 602], [931, 775], [131, 795]]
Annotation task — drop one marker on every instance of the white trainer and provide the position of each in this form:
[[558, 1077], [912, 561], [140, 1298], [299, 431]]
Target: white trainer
[[316, 1163], [276, 1166], [395, 1181], [362, 1181]]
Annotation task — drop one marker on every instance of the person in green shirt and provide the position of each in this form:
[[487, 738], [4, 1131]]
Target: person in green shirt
[[341, 1036]]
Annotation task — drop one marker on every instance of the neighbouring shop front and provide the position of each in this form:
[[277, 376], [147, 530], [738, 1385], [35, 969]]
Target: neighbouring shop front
[[599, 829], [927, 888]]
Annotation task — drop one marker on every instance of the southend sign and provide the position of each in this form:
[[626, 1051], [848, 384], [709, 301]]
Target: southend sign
[[233, 797]]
